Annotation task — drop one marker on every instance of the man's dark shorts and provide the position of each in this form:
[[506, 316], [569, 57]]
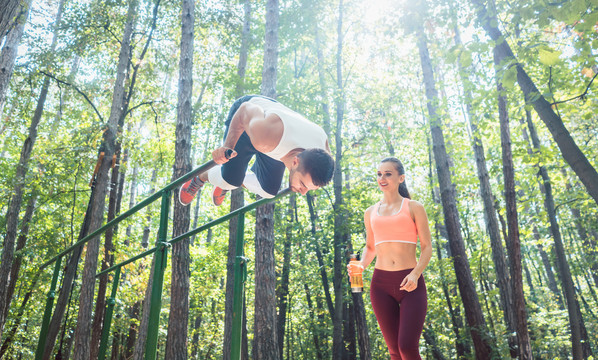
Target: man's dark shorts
[[269, 172]]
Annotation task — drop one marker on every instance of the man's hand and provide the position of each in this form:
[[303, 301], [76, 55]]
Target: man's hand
[[223, 154]]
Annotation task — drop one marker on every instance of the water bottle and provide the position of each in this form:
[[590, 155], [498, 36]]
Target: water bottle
[[356, 274]]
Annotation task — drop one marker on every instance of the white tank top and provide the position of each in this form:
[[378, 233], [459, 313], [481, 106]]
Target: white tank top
[[298, 132]]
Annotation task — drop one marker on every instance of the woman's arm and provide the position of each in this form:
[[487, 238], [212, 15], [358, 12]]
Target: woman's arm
[[425, 243], [369, 251]]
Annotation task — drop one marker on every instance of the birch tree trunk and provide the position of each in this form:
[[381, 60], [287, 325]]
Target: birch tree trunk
[[473, 310], [19, 183], [265, 338], [118, 109], [176, 340], [569, 149]]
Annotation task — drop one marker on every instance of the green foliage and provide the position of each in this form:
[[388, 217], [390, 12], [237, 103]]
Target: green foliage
[[385, 114]]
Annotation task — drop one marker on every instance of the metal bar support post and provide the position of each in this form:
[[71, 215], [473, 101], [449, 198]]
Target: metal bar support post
[[108, 316], [160, 262], [238, 289], [39, 353]]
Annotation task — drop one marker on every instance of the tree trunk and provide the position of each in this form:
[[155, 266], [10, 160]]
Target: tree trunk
[[338, 348], [569, 149], [579, 341], [12, 216], [319, 256], [430, 338], [9, 336], [473, 310], [237, 200], [9, 10], [314, 331], [21, 242], [82, 333], [266, 342], [283, 286], [513, 240], [498, 254], [100, 309], [176, 341], [322, 79], [245, 37], [139, 349], [265, 339], [9, 50]]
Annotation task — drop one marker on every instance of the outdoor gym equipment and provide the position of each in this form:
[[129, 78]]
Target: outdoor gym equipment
[[160, 259]]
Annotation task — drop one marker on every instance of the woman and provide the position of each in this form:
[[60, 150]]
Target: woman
[[398, 291]]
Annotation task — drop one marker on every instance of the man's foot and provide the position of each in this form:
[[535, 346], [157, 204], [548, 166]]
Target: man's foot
[[218, 195], [189, 190]]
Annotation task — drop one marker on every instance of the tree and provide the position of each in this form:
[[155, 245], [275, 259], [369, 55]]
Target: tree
[[473, 311], [513, 240], [118, 110], [176, 343], [19, 184], [265, 344], [569, 149], [9, 50]]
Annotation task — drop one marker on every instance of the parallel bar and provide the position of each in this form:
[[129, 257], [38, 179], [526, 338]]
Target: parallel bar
[[39, 353], [128, 261], [230, 215], [205, 167], [161, 260], [221, 219], [238, 290], [108, 316]]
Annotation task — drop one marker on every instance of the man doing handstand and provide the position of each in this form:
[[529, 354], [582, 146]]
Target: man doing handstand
[[279, 138]]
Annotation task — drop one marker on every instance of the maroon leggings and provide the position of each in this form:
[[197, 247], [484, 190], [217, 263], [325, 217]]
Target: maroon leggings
[[400, 313]]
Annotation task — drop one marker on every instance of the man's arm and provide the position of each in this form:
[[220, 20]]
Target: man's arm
[[263, 131]]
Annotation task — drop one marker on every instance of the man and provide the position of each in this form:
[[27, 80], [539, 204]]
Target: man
[[279, 138]]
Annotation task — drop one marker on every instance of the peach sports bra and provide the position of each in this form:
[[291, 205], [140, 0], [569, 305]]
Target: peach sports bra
[[398, 227]]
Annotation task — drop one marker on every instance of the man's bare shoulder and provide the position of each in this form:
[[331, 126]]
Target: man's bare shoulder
[[265, 132]]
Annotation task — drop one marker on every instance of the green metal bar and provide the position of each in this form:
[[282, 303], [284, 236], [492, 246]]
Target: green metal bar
[[206, 226], [238, 290], [108, 316], [205, 167], [128, 261], [230, 215], [160, 262], [48, 312]]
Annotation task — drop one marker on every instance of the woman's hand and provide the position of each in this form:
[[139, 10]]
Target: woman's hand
[[354, 266], [409, 283]]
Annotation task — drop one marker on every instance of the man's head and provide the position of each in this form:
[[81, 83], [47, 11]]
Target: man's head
[[313, 169]]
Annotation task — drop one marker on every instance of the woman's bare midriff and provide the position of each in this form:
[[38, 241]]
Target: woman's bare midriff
[[395, 256]]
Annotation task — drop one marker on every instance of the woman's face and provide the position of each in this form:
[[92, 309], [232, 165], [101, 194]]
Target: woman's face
[[388, 177]]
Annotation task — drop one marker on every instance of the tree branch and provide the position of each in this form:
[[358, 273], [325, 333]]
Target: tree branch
[[139, 105], [78, 90], [581, 96]]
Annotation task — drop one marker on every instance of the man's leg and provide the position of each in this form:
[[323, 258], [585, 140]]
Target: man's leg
[[266, 177]]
